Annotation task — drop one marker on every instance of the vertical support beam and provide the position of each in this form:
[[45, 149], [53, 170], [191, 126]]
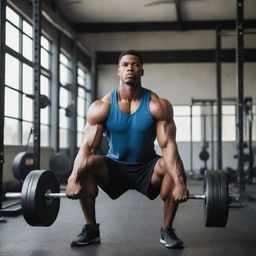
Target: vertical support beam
[[219, 98], [73, 119], [55, 95], [2, 86], [179, 14], [212, 136], [191, 138], [240, 91], [36, 76]]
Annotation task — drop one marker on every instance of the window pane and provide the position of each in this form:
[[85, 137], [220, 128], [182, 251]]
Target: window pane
[[12, 16], [81, 107], [183, 128], [196, 132], [63, 138], [27, 47], [64, 100], [11, 127], [45, 85], [81, 81], [63, 119], [80, 124], [45, 132], [27, 109], [81, 73], [64, 59], [81, 92], [11, 103], [45, 59], [45, 43], [228, 110], [63, 74], [181, 110], [79, 139], [27, 82], [45, 115], [27, 28], [228, 128], [196, 110], [12, 37], [26, 128], [254, 130], [11, 71]]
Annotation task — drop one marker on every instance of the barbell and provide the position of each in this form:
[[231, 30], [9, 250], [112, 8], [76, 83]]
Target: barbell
[[40, 198]]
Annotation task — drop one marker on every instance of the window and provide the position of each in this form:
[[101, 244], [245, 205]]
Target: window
[[83, 102], [254, 123], [19, 81], [65, 99], [182, 121], [228, 122]]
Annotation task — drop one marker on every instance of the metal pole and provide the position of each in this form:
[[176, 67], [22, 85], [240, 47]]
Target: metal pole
[[191, 138], [2, 86], [219, 99], [12, 195], [55, 95], [212, 137], [36, 74], [73, 118], [240, 91]]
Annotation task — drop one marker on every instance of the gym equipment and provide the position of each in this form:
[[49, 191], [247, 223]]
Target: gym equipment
[[61, 165], [40, 198], [22, 164], [44, 101]]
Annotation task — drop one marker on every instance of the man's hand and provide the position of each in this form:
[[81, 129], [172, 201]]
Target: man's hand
[[180, 193], [73, 189]]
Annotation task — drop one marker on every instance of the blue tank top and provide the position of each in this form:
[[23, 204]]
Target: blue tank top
[[131, 136]]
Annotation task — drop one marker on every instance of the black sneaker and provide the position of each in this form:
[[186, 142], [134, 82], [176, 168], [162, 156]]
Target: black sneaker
[[88, 235], [169, 239]]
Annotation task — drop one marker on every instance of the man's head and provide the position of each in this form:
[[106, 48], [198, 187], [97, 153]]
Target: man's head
[[130, 67], [130, 52]]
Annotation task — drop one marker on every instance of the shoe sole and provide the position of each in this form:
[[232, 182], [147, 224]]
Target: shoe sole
[[178, 245], [93, 241]]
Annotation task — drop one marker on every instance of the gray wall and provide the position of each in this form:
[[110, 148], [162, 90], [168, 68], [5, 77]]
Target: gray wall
[[178, 82]]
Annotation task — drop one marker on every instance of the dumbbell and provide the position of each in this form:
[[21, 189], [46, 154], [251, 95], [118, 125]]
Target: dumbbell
[[40, 198]]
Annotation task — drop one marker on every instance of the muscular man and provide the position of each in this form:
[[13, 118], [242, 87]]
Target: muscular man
[[131, 117]]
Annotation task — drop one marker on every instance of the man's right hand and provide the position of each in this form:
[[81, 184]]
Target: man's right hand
[[73, 189]]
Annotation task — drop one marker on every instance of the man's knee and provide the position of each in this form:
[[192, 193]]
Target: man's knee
[[93, 162], [167, 187]]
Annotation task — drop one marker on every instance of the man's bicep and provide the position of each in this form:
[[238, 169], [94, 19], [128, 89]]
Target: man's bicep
[[93, 135], [166, 133]]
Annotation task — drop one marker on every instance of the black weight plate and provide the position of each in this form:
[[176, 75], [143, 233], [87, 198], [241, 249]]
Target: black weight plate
[[37, 210], [60, 164], [25, 196], [224, 199], [209, 197], [216, 202], [22, 164]]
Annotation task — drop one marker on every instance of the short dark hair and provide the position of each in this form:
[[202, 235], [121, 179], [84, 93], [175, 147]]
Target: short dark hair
[[130, 52]]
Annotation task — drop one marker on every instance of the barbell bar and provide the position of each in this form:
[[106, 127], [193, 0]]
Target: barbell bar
[[40, 198], [18, 195]]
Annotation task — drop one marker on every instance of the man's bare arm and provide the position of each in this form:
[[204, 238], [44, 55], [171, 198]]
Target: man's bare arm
[[94, 128], [166, 136]]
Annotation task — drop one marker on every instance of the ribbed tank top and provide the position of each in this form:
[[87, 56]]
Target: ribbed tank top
[[131, 136]]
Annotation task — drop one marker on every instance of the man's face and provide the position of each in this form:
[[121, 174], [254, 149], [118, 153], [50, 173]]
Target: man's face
[[130, 70]]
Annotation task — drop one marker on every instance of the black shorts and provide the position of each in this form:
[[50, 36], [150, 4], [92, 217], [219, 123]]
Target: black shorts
[[131, 176]]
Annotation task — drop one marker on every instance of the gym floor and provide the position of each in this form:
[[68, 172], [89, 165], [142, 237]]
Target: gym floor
[[130, 226]]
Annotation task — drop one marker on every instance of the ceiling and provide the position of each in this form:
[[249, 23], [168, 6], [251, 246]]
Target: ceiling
[[119, 11]]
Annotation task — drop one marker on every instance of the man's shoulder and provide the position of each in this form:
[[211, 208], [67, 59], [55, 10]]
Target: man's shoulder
[[160, 108], [98, 111]]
